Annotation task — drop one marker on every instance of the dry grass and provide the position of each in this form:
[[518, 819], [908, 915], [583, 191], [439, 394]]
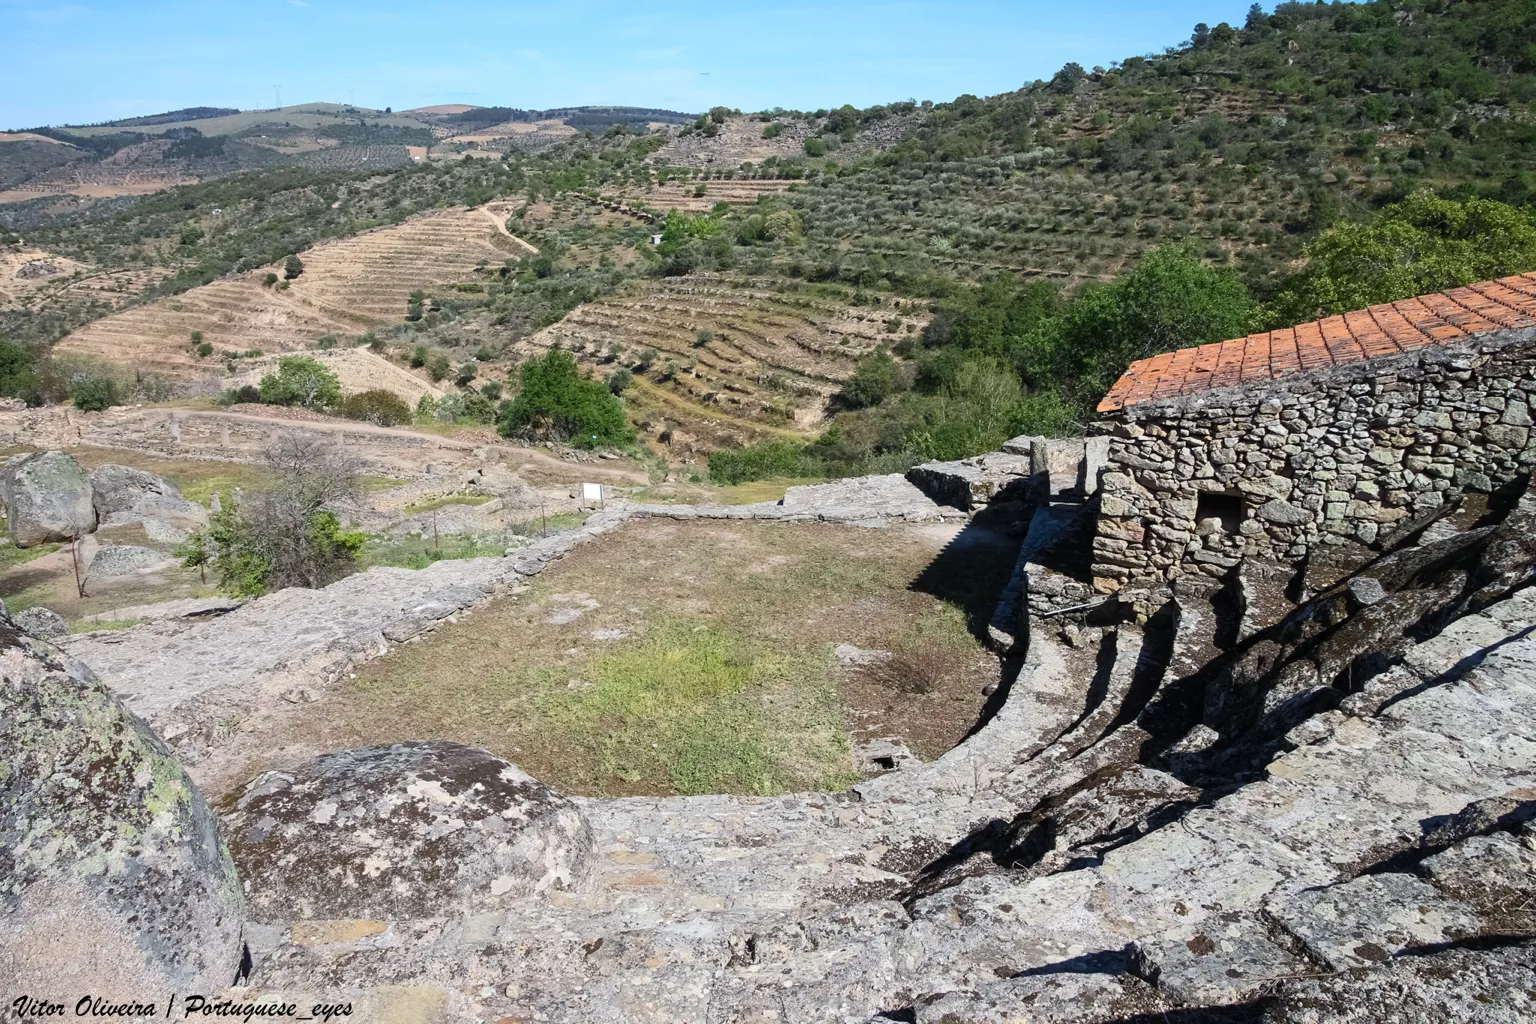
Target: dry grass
[[682, 658]]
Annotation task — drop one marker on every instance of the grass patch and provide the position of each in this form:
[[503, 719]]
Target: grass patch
[[707, 711], [450, 499], [418, 553], [11, 555], [761, 490], [97, 627], [683, 658], [687, 708]]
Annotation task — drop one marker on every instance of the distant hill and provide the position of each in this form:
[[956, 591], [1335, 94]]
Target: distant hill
[[593, 118], [173, 116]]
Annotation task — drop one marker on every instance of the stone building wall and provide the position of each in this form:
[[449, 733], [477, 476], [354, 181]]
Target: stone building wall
[[1273, 468]]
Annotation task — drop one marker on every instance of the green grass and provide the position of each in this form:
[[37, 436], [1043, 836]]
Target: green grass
[[417, 553], [558, 521], [698, 707], [434, 504], [699, 660], [11, 555], [223, 484], [762, 490], [96, 627]]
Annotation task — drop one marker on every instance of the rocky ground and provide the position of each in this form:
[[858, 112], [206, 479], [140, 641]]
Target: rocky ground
[[1176, 806]]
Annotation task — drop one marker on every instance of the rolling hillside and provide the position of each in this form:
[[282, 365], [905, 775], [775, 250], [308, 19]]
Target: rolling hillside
[[348, 286], [720, 360]]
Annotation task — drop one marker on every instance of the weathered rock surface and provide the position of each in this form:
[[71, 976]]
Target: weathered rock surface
[[1488, 986], [43, 623], [971, 483], [113, 878], [402, 831], [865, 501], [124, 496], [182, 608], [47, 498], [125, 559]]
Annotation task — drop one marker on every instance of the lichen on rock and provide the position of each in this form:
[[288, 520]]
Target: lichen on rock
[[417, 829], [47, 498], [112, 872]]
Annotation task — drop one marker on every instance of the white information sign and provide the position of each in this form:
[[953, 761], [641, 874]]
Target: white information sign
[[591, 492]]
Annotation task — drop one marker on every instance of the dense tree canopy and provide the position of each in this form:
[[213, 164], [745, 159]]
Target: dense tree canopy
[[556, 401], [301, 381], [1420, 245]]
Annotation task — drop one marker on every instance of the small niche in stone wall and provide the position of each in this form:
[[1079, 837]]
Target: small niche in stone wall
[[1226, 509]]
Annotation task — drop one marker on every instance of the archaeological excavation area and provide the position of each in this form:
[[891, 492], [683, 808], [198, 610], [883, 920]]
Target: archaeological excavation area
[[1222, 712]]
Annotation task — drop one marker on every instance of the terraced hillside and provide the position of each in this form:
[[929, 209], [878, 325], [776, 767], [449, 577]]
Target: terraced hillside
[[234, 314], [357, 369], [721, 360], [348, 286], [685, 195], [367, 278]]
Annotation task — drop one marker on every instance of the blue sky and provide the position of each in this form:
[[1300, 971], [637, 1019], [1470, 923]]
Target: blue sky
[[85, 61]]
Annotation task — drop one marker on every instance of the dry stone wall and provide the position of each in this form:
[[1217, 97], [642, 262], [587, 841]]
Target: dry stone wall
[[1272, 470]]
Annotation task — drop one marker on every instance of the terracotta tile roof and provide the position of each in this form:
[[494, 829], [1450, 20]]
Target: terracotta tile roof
[[1384, 330]]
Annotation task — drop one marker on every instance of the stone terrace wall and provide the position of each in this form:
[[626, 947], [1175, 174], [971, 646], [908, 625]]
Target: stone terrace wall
[[1274, 468]]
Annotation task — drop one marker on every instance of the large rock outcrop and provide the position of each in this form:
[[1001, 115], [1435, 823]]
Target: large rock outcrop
[[406, 830], [124, 496], [113, 878], [47, 498]]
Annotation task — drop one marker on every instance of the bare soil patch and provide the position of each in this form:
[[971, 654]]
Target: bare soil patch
[[694, 657]]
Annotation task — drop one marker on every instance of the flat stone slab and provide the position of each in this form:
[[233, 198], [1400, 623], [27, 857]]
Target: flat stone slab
[[186, 608], [868, 500], [1370, 920]]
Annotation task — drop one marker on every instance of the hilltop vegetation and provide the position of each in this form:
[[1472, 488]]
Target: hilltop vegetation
[[1006, 256]]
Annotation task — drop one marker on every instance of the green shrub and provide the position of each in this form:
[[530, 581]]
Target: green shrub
[[438, 367], [244, 393], [815, 146], [292, 267], [380, 407], [556, 401], [93, 392], [300, 381], [19, 377], [619, 381], [872, 382], [759, 462]]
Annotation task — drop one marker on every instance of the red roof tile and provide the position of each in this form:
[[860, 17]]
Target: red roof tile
[[1439, 318]]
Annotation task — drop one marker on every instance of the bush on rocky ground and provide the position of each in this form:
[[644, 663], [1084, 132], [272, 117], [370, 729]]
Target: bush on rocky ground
[[284, 535], [379, 407]]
